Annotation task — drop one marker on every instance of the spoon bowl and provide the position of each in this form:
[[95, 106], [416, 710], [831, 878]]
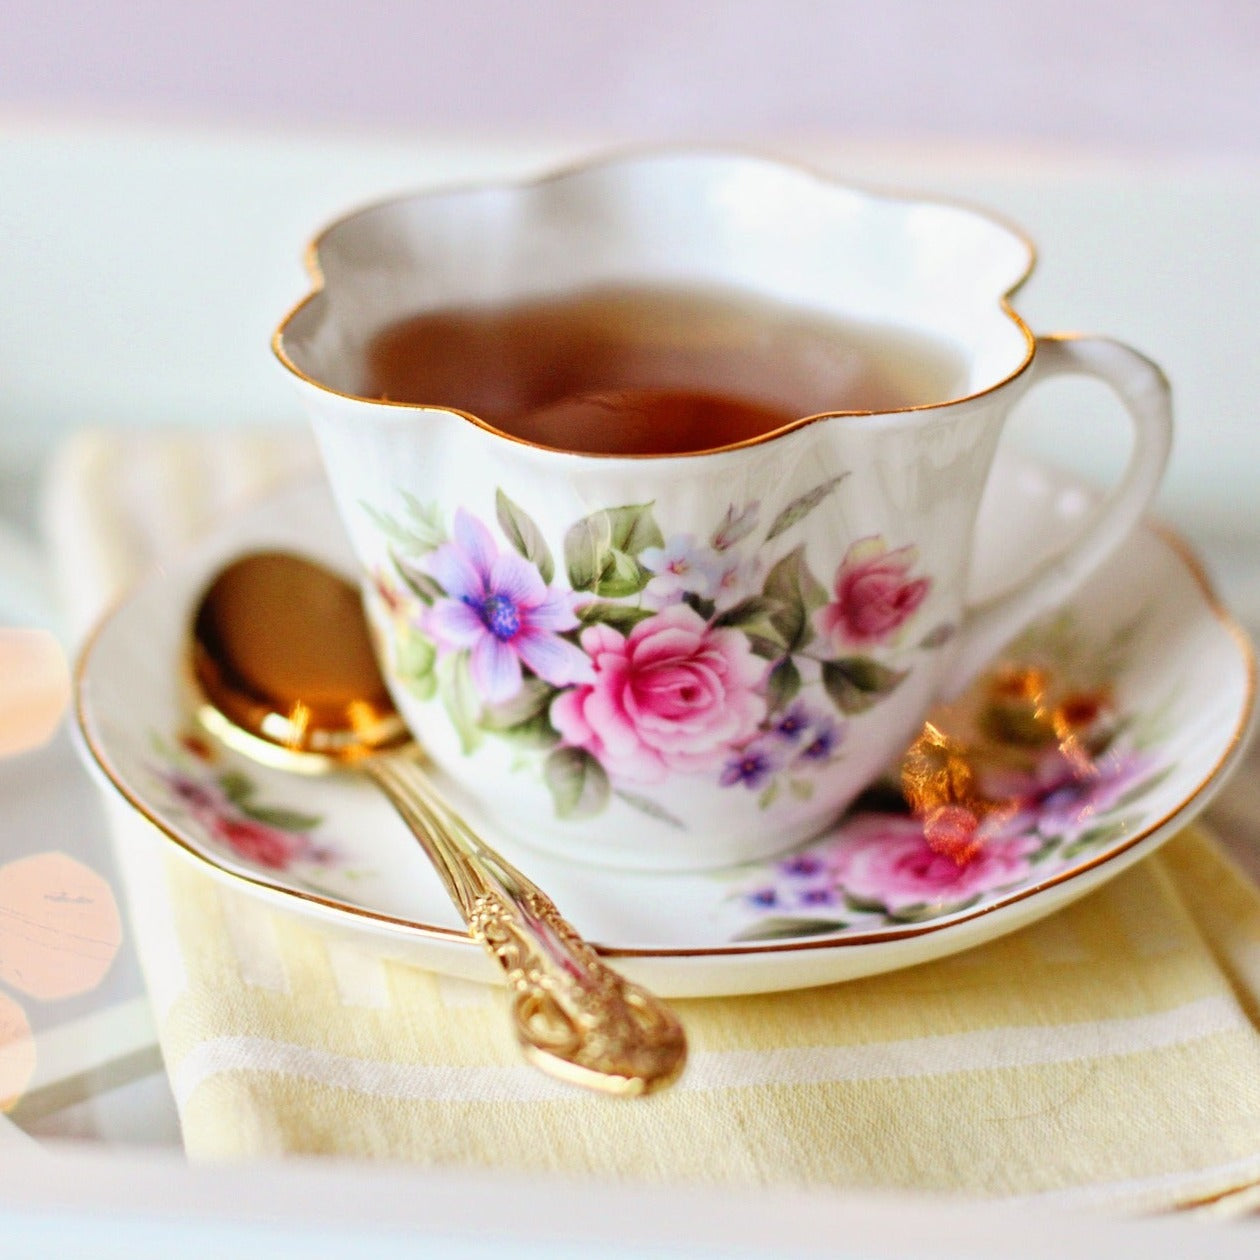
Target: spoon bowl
[[285, 673]]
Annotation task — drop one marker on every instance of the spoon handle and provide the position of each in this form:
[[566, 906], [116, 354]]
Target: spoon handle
[[575, 1017]]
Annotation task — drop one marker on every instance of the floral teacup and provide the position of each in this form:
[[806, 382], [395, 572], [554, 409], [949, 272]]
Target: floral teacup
[[687, 660]]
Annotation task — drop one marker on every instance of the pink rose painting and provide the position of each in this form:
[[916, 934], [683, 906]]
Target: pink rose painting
[[881, 865], [258, 843], [224, 806], [673, 695], [887, 859], [875, 594]]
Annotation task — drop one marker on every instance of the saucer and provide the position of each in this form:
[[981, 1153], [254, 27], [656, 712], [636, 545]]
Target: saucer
[[1148, 684]]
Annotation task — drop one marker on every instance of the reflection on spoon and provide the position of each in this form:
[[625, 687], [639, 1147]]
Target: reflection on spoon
[[286, 672]]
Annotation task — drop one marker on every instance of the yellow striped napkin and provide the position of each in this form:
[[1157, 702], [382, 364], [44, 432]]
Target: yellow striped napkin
[[1108, 1056]]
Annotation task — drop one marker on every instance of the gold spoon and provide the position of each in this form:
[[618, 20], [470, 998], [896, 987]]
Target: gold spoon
[[283, 662]]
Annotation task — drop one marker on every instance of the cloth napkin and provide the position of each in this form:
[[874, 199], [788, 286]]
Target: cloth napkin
[[1108, 1056]]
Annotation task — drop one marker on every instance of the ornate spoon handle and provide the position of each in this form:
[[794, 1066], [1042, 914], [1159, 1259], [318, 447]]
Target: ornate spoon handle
[[575, 1017]]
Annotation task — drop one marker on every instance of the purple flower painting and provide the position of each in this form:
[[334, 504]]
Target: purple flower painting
[[498, 608]]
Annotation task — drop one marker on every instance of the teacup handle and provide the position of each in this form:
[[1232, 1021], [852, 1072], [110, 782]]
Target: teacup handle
[[1143, 389]]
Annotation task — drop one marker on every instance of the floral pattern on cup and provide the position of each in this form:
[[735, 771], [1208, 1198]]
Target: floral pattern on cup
[[222, 803], [1032, 771], [648, 656]]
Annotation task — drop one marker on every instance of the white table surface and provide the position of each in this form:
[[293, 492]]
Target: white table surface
[[142, 272]]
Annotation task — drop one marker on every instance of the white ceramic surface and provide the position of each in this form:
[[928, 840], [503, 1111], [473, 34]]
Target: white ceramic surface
[[1146, 630], [630, 629]]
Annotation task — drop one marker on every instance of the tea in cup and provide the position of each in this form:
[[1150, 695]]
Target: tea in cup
[[663, 475], [652, 369]]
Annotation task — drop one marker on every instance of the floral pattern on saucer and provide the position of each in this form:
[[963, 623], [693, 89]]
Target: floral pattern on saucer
[[1033, 769], [1026, 775], [652, 655], [223, 803]]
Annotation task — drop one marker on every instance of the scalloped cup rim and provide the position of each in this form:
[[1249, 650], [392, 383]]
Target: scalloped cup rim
[[645, 160]]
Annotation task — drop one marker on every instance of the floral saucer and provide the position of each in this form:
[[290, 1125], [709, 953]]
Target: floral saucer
[[1100, 733]]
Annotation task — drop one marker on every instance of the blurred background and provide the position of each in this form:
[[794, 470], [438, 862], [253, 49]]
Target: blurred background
[[1107, 76]]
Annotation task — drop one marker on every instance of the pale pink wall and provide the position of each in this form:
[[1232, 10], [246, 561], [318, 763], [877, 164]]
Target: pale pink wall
[[1166, 75]]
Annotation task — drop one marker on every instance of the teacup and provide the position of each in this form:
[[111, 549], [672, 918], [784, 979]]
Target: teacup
[[692, 659]]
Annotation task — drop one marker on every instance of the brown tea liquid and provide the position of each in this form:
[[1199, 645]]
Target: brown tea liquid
[[652, 371]]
